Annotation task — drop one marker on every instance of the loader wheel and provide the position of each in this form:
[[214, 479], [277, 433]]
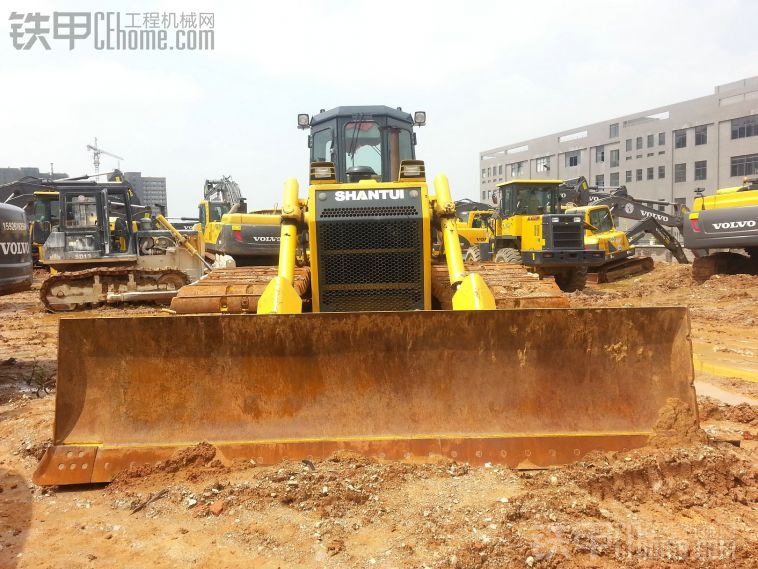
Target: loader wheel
[[473, 255], [508, 255], [572, 280]]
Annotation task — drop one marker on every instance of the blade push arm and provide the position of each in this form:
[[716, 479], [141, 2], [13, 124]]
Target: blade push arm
[[280, 296], [471, 292]]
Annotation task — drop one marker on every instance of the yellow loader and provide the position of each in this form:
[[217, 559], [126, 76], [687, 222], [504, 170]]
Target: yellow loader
[[386, 363]]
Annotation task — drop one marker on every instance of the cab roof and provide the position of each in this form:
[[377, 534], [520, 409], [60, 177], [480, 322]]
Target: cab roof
[[536, 182], [368, 110]]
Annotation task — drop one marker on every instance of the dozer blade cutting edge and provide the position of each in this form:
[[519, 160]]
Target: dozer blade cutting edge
[[526, 388]]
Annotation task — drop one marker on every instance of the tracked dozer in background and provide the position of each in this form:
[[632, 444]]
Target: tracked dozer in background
[[101, 252], [387, 364]]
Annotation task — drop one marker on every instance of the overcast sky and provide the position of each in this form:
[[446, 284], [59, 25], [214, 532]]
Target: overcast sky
[[487, 73]]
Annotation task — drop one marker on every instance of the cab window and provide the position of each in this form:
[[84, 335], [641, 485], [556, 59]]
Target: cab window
[[322, 146], [363, 145], [40, 211], [81, 211], [601, 219], [217, 210]]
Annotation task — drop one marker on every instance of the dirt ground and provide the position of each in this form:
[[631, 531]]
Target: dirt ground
[[689, 504]]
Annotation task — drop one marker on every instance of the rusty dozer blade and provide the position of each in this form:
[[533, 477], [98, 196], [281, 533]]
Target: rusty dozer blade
[[527, 388]]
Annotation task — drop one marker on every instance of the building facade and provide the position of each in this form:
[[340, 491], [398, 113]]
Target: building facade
[[664, 153], [150, 190], [8, 175]]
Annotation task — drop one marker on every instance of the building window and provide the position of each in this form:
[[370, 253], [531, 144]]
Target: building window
[[661, 172], [745, 126], [613, 130], [701, 135], [650, 140], [484, 194], [650, 173], [500, 170], [542, 164], [600, 180], [488, 172], [639, 142], [614, 179], [701, 170], [628, 144], [639, 174], [600, 154], [628, 176], [680, 172], [572, 159], [680, 138], [483, 172], [614, 158], [517, 169], [745, 165], [661, 138]]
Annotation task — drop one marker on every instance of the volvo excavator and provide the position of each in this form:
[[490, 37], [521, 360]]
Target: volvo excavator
[[358, 343], [599, 208], [727, 220], [228, 228]]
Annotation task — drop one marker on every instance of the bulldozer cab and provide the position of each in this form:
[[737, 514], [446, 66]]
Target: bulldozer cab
[[362, 142], [95, 222]]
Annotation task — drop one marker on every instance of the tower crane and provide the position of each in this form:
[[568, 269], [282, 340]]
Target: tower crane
[[97, 151]]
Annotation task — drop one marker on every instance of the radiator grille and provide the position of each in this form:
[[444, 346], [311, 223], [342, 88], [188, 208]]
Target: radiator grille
[[568, 235], [370, 264]]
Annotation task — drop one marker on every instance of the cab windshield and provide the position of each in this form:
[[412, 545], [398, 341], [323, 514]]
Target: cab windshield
[[535, 200], [81, 211], [217, 210], [601, 219], [363, 145]]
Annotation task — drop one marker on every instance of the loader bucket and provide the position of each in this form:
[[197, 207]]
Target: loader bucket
[[527, 388]]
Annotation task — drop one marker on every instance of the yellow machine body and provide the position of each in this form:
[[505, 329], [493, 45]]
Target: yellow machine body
[[380, 366], [601, 232]]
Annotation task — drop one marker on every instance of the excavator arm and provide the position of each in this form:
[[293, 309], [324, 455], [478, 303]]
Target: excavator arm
[[652, 226]]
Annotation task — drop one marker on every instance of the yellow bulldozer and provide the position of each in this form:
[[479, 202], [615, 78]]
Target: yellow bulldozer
[[359, 344]]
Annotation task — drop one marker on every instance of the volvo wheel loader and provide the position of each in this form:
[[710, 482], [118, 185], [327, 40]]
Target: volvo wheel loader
[[370, 356], [528, 227]]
